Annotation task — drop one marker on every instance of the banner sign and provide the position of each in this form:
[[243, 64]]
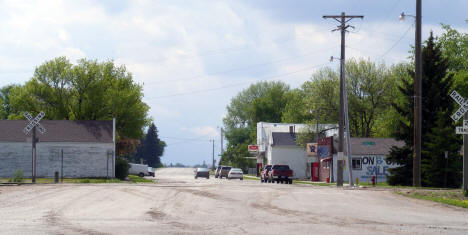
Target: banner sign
[[253, 148]]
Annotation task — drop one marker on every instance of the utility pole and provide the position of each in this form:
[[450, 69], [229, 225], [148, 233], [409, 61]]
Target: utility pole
[[213, 167], [417, 100], [222, 137], [342, 19]]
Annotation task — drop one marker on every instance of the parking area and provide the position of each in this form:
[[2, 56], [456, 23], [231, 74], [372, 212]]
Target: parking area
[[179, 203]]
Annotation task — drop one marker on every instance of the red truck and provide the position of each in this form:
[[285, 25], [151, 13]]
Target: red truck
[[280, 173], [264, 174]]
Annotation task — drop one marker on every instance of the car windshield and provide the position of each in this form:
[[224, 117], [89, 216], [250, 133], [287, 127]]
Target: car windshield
[[281, 167], [236, 170], [226, 168], [202, 169]]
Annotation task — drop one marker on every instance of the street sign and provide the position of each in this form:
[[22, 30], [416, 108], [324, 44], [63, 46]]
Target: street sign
[[461, 130], [34, 122]]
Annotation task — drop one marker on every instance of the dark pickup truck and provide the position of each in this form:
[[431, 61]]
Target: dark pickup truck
[[280, 173]]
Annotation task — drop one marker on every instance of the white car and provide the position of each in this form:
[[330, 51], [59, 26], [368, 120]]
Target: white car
[[138, 169], [235, 173]]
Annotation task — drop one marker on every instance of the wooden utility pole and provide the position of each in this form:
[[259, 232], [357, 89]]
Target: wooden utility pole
[[343, 19], [417, 100]]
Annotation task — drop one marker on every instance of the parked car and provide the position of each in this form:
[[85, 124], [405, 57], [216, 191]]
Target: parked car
[[138, 169], [280, 173], [224, 171], [235, 173], [202, 172], [218, 170], [264, 174]]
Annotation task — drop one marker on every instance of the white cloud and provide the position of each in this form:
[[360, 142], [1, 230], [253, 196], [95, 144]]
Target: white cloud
[[202, 131]]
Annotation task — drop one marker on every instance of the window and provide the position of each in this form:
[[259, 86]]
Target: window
[[357, 163]]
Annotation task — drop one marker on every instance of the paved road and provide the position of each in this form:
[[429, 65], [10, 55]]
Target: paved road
[[179, 204]]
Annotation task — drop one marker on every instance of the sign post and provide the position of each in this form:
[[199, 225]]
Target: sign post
[[33, 125], [463, 130]]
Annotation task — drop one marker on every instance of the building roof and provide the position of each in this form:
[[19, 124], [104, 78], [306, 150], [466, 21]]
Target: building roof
[[284, 138], [369, 146], [58, 131]]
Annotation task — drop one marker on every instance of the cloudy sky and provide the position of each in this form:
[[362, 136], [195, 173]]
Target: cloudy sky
[[194, 56]]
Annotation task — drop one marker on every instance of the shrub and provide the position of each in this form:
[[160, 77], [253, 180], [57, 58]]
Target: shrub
[[121, 168], [17, 176]]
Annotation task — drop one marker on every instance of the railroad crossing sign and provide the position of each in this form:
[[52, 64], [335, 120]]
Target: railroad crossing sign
[[463, 105], [34, 122], [462, 111]]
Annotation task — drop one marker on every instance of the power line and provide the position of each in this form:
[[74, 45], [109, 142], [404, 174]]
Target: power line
[[396, 43], [237, 84], [246, 67]]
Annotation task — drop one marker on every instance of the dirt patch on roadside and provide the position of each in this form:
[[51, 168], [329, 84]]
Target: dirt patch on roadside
[[156, 215]]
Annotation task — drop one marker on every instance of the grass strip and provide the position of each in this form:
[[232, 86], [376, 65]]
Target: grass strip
[[138, 179], [449, 198]]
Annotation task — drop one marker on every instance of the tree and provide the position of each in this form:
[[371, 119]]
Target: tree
[[261, 102], [437, 127], [152, 148], [370, 92], [88, 90]]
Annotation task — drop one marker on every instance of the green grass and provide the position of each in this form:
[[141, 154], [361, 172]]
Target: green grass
[[138, 179], [449, 197]]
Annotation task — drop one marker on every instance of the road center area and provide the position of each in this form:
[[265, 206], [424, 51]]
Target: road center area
[[178, 203]]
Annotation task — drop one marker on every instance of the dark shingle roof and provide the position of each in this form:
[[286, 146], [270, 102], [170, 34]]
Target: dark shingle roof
[[58, 131], [282, 138], [369, 146]]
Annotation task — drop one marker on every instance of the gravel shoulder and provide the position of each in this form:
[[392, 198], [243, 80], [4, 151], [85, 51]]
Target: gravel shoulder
[[178, 203]]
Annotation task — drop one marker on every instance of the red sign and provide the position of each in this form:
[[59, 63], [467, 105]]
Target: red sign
[[253, 148]]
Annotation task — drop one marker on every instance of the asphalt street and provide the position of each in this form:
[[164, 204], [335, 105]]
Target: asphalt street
[[179, 204]]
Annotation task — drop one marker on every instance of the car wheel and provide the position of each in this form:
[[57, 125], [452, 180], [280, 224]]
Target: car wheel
[[196, 177], [281, 181], [290, 181], [141, 174], [277, 181]]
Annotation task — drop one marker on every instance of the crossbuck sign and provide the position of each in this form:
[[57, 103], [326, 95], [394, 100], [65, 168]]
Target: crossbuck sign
[[460, 112], [34, 122]]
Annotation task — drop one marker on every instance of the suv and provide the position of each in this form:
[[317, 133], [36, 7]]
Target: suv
[[218, 171], [224, 172], [280, 173], [264, 174]]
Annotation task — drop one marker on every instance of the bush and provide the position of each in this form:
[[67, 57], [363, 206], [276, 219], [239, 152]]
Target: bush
[[121, 168], [17, 176]]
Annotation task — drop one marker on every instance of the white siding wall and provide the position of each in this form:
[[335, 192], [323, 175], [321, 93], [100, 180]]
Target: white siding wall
[[293, 156], [370, 165], [79, 159]]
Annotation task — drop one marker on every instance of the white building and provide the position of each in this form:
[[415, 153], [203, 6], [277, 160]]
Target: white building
[[368, 158], [277, 145], [88, 148]]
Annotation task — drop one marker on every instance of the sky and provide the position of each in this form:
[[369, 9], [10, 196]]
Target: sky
[[192, 57]]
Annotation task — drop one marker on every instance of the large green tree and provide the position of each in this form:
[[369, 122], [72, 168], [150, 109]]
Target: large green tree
[[89, 90], [437, 127], [261, 102]]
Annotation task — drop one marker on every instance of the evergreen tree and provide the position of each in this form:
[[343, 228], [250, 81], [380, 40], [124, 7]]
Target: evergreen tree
[[438, 130], [151, 148]]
